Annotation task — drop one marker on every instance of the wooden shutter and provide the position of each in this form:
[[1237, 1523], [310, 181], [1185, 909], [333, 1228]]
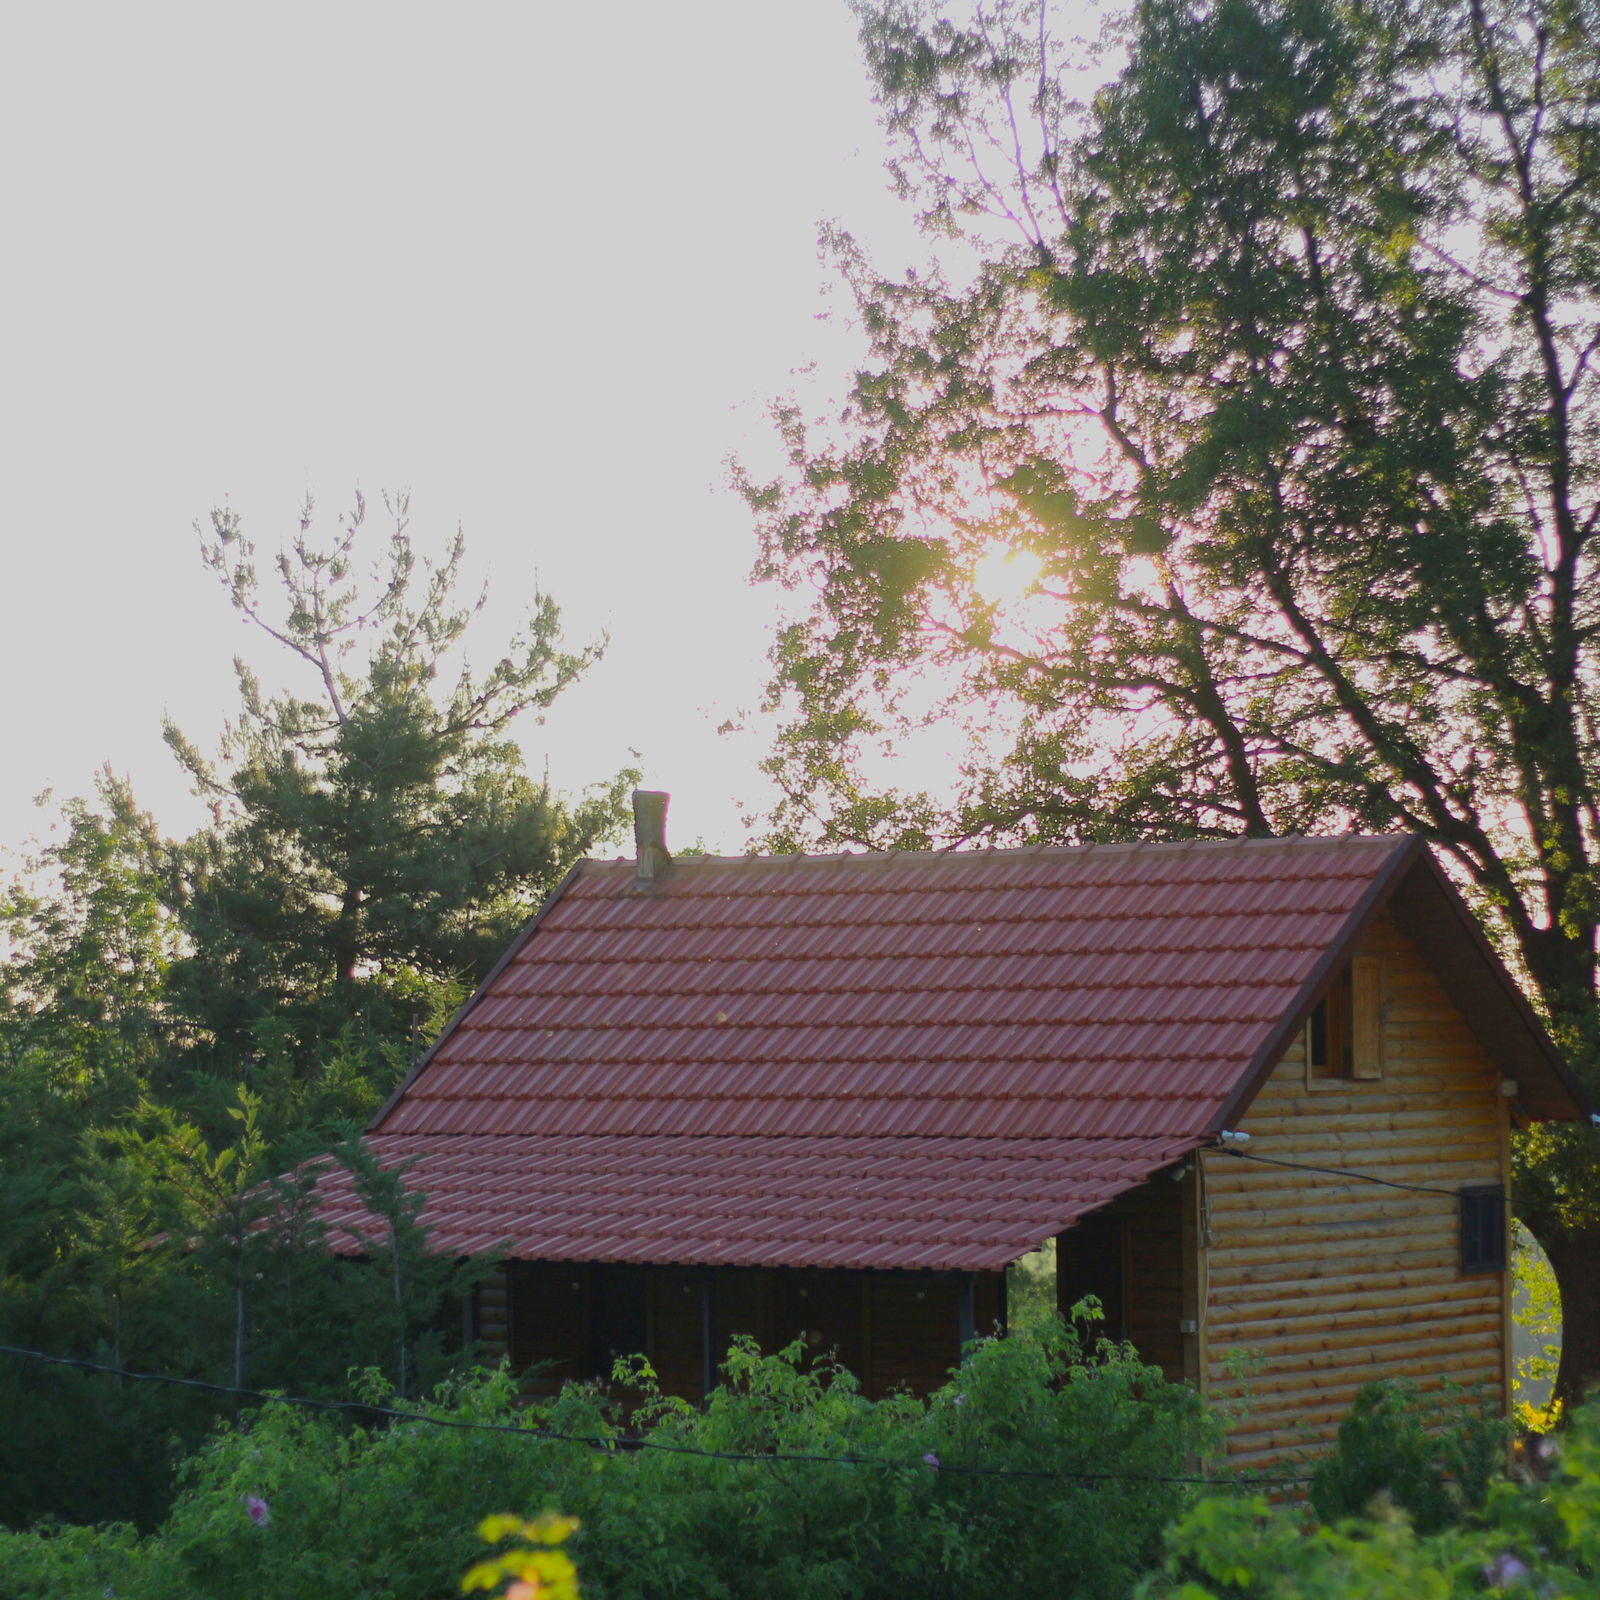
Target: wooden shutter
[[1366, 1017]]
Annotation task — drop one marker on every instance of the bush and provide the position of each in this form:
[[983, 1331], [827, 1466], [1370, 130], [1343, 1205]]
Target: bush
[[1533, 1539], [907, 1496], [1434, 1456]]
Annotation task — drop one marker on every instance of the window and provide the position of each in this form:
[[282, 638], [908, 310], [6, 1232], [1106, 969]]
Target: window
[[1344, 1035], [1328, 1041], [1483, 1229]]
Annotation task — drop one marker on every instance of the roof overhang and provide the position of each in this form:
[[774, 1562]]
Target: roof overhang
[[918, 1204], [1429, 910]]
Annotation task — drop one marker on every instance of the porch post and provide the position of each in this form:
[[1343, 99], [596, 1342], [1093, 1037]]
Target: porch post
[[966, 1308], [708, 1335]]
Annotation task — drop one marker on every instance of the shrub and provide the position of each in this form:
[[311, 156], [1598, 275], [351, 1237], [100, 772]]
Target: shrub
[[892, 1498], [1433, 1455], [1533, 1539]]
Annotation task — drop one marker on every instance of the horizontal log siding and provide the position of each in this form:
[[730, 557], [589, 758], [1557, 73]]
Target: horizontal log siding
[[1322, 1284]]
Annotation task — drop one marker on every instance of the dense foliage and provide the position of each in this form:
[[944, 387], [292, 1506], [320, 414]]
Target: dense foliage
[[292, 1504], [1532, 1538], [181, 1021], [1272, 362]]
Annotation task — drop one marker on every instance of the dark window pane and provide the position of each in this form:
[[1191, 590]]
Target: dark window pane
[[1483, 1229]]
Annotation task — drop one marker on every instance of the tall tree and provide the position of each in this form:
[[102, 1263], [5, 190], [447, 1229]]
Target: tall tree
[[88, 947], [1276, 359], [376, 840]]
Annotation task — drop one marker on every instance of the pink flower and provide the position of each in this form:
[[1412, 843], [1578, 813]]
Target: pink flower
[[931, 1460], [1505, 1571], [257, 1510]]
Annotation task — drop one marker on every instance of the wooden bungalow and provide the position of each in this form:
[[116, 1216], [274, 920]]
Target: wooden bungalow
[[1260, 1091]]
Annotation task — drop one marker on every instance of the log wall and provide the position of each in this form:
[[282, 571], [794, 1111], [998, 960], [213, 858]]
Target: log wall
[[1130, 1256], [572, 1320], [1321, 1283]]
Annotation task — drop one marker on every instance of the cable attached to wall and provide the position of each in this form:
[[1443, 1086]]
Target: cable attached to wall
[[1335, 1172]]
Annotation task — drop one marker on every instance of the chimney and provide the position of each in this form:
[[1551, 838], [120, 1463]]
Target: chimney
[[650, 834]]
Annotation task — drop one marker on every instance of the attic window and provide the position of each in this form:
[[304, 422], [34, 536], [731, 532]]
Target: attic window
[[1344, 1035], [1483, 1229], [1329, 1052]]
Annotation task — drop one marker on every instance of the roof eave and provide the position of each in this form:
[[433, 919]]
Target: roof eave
[[1269, 1053], [1432, 911], [1429, 909], [513, 950]]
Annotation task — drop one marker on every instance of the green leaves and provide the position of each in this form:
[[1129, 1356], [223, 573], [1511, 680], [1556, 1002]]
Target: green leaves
[[540, 1568], [379, 839], [295, 1504]]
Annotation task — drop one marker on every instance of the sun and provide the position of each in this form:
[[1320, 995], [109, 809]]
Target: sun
[[1004, 577]]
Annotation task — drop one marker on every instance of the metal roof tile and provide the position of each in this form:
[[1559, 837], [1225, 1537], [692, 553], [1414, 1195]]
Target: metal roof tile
[[1022, 1011], [848, 1202]]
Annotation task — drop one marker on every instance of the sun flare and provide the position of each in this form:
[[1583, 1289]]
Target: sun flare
[[1004, 577]]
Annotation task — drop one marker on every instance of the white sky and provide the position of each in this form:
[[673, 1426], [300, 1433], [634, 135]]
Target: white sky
[[542, 265]]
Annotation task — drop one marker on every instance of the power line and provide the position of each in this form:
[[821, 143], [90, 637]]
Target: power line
[[600, 1442], [1340, 1172]]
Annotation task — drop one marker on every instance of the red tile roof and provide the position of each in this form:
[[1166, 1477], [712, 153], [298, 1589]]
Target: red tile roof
[[1104, 992], [905, 1060], [962, 1204]]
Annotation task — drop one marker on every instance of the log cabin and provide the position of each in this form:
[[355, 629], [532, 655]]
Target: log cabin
[[1260, 1092]]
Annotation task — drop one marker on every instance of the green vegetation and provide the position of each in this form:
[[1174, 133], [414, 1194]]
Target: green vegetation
[[1536, 1310], [909, 1497], [537, 1566], [181, 1021], [1273, 358], [1525, 1538], [1431, 1455]]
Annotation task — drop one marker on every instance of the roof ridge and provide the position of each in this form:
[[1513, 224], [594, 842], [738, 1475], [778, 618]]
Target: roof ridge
[[1094, 986], [802, 858]]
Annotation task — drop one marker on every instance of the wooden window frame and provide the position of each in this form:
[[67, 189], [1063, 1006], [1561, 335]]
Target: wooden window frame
[[1343, 1037]]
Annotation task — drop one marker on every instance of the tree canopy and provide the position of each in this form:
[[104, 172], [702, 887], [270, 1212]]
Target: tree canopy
[[182, 1020], [378, 837], [1274, 359]]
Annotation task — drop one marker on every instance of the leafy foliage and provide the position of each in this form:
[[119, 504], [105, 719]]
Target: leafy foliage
[[295, 1505], [1536, 1539], [1274, 357], [1431, 1455], [378, 839], [1536, 1309], [537, 1567], [181, 1022]]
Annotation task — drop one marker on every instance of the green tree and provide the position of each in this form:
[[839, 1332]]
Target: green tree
[[377, 841], [410, 1290], [88, 944], [1276, 357]]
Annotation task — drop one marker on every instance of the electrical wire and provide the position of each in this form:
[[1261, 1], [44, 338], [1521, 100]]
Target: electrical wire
[[600, 1442], [1338, 1172]]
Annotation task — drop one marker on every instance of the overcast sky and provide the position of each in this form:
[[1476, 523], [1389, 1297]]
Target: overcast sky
[[540, 265]]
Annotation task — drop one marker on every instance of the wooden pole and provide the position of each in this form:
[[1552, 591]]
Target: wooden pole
[[708, 1335], [966, 1308]]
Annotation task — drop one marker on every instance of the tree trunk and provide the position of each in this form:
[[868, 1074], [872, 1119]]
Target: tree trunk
[[1575, 1254], [346, 938]]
